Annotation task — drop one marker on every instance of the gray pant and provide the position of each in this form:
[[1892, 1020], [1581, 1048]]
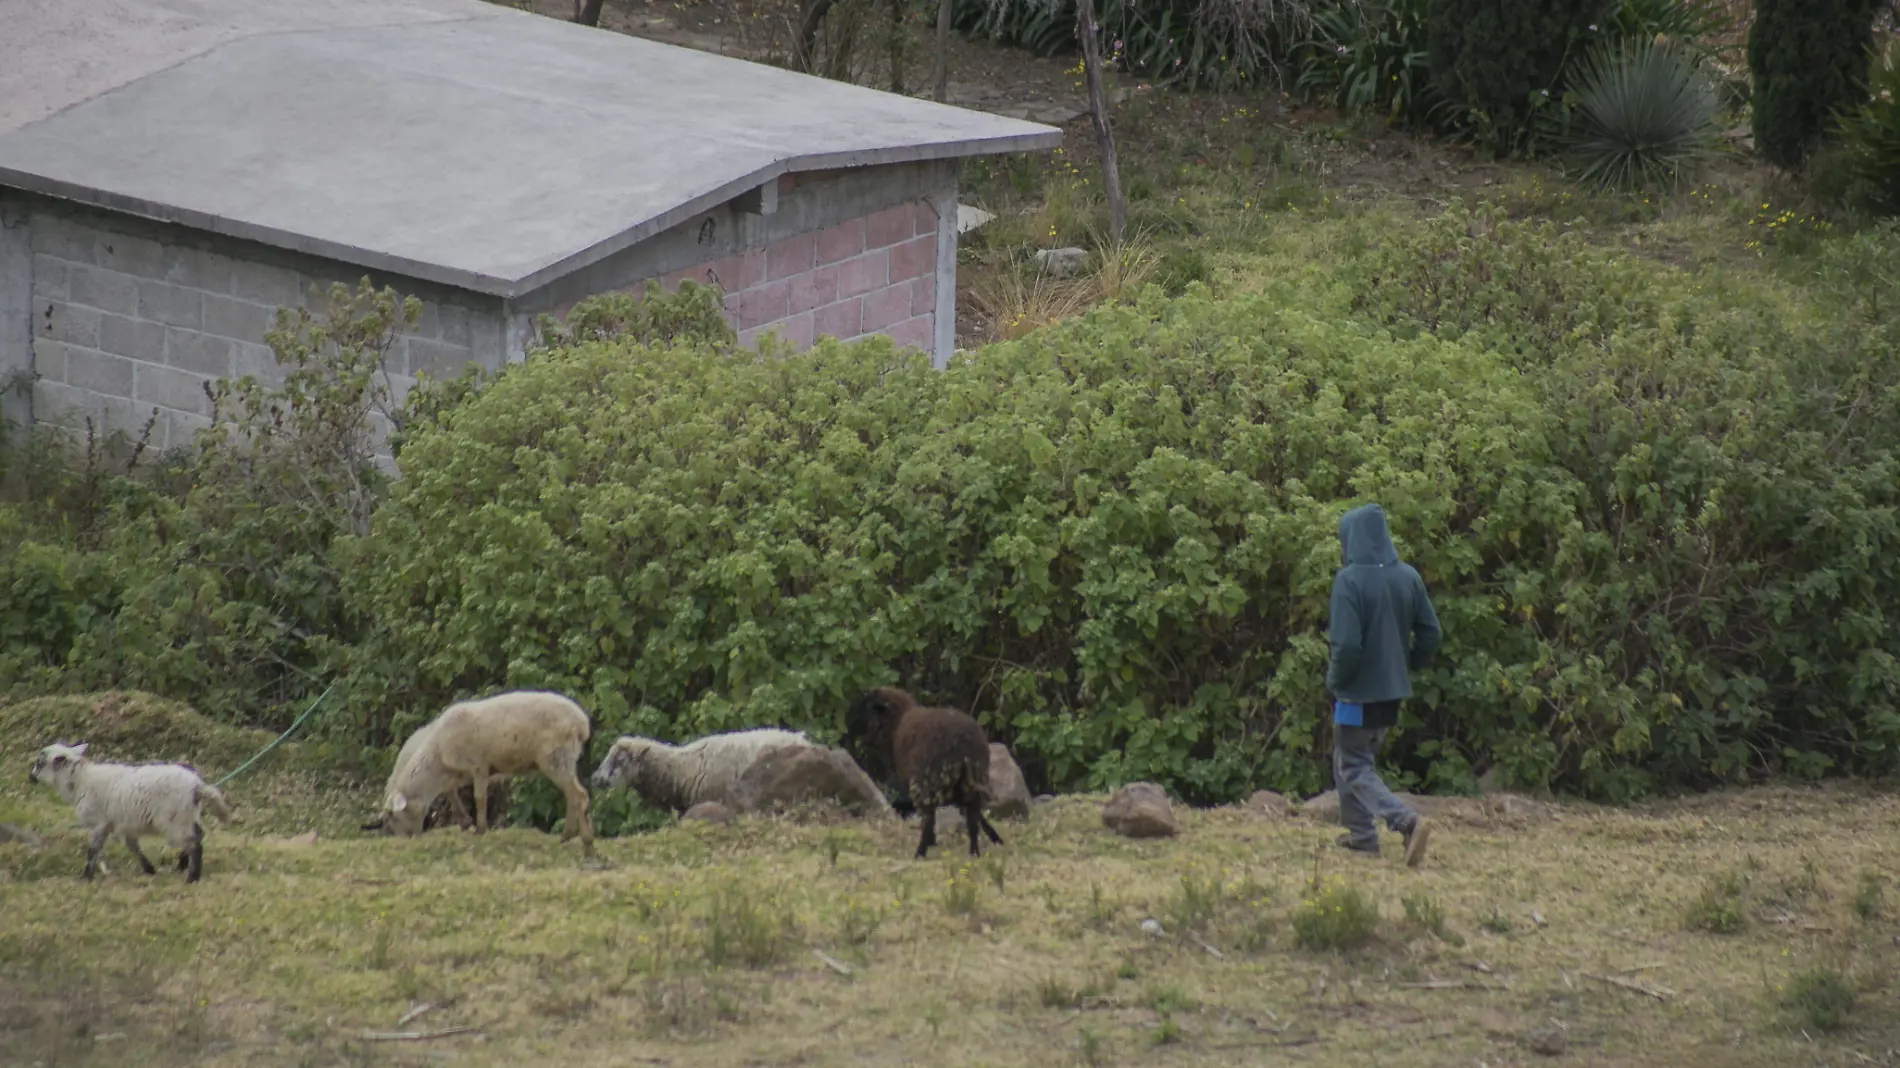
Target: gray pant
[[1363, 797]]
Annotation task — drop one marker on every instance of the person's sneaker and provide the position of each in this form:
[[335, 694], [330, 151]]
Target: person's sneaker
[[1345, 841], [1416, 840]]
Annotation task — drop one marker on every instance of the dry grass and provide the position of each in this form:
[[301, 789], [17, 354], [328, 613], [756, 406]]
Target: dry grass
[[694, 945]]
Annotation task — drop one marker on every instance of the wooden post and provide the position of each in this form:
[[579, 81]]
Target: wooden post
[[942, 73], [1098, 110]]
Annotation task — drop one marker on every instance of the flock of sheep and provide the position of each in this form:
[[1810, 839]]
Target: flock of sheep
[[933, 756]]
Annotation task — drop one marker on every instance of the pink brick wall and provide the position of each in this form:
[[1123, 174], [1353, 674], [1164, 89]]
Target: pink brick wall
[[872, 275]]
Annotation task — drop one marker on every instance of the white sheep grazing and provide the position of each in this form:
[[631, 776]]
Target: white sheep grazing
[[132, 801], [496, 737], [681, 776]]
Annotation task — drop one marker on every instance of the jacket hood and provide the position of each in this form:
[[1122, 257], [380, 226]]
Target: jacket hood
[[1363, 537]]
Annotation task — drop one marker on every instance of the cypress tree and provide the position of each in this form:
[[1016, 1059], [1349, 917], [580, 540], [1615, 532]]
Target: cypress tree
[[1807, 58]]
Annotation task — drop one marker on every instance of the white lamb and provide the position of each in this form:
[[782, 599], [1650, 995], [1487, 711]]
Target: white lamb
[[681, 776], [133, 801], [496, 737]]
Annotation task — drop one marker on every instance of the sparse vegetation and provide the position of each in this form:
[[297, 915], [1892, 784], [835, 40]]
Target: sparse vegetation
[[1821, 999], [1720, 908], [1870, 896], [1335, 916]]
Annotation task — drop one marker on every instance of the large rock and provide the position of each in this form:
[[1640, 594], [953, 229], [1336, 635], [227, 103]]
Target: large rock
[[1009, 792], [1140, 810], [786, 778]]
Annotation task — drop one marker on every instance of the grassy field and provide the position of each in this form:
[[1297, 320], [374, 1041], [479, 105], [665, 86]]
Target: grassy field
[[1663, 935]]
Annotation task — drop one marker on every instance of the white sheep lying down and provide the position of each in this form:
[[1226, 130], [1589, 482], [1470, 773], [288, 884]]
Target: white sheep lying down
[[496, 737], [133, 801], [681, 776]]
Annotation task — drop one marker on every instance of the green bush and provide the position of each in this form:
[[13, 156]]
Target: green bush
[[1499, 64], [1644, 116], [1370, 56], [1753, 608], [1808, 59], [1119, 532], [1870, 139]]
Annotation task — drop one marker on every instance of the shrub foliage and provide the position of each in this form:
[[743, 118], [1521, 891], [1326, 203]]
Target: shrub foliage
[[1659, 523]]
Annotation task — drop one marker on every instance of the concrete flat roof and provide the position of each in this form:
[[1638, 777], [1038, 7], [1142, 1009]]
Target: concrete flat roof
[[450, 140]]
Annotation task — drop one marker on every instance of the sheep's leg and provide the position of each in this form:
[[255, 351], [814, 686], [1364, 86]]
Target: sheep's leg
[[481, 801], [195, 854], [929, 836], [94, 847], [987, 829], [559, 768], [132, 843], [462, 819], [184, 859], [972, 816]]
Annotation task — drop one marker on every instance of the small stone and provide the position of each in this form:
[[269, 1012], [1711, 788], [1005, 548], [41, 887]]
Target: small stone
[[1009, 793], [1140, 810], [307, 838], [1061, 262], [1269, 804], [1043, 799], [708, 812], [1152, 927], [1547, 1042]]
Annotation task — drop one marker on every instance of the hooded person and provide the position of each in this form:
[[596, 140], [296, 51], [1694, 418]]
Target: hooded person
[[1382, 629]]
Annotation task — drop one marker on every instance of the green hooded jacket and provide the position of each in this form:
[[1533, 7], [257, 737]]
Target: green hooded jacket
[[1382, 627]]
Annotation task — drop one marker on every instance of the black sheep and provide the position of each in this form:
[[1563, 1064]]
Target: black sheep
[[936, 756]]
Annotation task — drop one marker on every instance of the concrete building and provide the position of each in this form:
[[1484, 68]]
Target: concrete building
[[172, 171]]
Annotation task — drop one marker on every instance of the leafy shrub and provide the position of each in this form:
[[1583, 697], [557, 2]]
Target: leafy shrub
[[1809, 58], [1641, 398], [1337, 916], [1644, 115], [211, 578], [1498, 63], [1870, 139], [694, 539], [1370, 56]]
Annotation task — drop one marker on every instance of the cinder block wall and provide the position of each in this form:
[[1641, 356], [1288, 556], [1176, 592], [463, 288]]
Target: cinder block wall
[[864, 276], [869, 250], [131, 319]]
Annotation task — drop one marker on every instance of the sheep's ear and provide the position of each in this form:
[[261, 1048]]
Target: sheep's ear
[[80, 749], [398, 803]]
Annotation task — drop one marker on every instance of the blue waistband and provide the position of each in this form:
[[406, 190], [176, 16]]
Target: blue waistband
[[1348, 714]]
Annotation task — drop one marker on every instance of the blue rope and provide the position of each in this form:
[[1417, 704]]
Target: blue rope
[[288, 731]]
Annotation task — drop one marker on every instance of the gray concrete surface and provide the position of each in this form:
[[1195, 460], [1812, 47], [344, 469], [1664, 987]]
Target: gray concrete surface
[[474, 145]]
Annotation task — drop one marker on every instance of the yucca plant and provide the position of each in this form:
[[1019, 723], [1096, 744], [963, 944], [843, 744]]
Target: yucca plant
[[1644, 113]]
